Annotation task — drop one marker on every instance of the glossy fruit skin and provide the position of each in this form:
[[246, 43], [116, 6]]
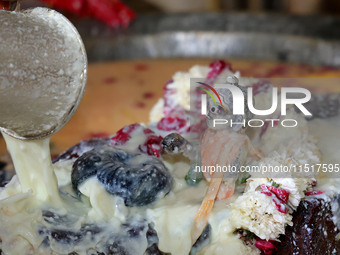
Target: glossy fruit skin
[[83, 168], [138, 184]]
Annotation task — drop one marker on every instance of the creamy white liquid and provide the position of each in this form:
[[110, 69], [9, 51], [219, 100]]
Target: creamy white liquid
[[172, 216], [33, 166]]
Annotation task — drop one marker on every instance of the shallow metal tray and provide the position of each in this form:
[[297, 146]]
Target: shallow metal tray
[[308, 40]]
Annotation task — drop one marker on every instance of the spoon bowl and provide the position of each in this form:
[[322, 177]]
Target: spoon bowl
[[43, 72]]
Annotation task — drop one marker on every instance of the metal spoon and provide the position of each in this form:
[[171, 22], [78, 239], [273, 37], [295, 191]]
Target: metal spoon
[[43, 71]]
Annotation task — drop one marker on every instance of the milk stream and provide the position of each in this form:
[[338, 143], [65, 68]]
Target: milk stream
[[33, 165]]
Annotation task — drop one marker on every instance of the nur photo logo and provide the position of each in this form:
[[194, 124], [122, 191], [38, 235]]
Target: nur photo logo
[[229, 100]]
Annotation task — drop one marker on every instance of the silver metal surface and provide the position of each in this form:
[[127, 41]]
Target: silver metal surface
[[218, 45], [308, 40], [43, 71]]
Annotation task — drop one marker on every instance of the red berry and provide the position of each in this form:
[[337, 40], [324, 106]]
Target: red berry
[[280, 199], [171, 123], [314, 192], [152, 145], [123, 135], [282, 208], [148, 131], [268, 193], [281, 194], [266, 247], [216, 69]]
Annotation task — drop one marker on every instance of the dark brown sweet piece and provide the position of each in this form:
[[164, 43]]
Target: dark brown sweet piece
[[313, 232]]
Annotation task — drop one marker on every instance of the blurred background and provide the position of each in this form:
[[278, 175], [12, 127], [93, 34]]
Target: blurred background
[[303, 7], [300, 31], [300, 7], [135, 46]]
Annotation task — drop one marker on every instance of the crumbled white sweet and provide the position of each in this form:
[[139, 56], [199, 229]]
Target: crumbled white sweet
[[257, 213], [181, 86], [295, 186], [156, 113]]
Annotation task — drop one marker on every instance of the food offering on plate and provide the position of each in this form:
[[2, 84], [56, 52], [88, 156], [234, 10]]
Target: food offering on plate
[[157, 189]]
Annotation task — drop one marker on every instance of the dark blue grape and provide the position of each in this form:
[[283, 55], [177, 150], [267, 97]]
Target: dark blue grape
[[136, 177], [85, 167]]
